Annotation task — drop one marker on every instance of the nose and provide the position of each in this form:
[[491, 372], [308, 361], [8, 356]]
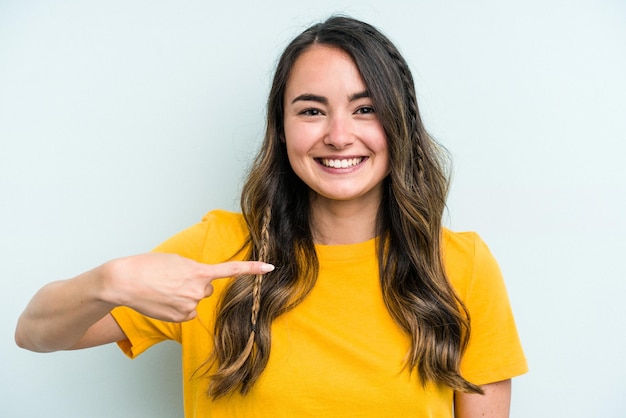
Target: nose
[[340, 132]]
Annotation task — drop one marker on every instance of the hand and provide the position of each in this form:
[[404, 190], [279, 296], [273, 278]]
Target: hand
[[167, 286]]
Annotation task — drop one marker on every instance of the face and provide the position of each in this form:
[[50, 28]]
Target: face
[[335, 142]]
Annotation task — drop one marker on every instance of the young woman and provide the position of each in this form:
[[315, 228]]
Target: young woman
[[373, 309]]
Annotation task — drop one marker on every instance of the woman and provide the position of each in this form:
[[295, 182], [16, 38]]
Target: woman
[[373, 308]]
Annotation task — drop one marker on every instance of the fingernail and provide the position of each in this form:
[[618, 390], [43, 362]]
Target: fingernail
[[266, 268]]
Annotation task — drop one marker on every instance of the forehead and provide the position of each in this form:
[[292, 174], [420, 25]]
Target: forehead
[[324, 67]]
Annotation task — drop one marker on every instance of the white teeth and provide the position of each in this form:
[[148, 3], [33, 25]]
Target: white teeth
[[350, 162]]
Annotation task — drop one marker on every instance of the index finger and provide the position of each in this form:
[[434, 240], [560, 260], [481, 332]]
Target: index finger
[[237, 268]]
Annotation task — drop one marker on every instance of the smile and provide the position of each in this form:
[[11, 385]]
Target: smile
[[340, 163]]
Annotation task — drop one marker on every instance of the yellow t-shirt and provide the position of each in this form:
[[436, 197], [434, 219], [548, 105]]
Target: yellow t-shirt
[[338, 353]]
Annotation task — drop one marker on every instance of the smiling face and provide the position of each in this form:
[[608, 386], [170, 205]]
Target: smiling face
[[335, 142]]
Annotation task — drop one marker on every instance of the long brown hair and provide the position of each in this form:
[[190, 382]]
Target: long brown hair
[[275, 205]]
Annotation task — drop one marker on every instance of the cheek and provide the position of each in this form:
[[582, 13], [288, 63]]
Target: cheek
[[380, 147], [290, 153], [378, 141], [298, 140], [295, 151]]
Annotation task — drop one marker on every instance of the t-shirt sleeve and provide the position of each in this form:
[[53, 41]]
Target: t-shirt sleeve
[[143, 332], [494, 351]]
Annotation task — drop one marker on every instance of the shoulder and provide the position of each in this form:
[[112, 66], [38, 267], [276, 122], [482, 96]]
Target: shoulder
[[467, 258], [221, 221], [459, 249], [226, 234], [219, 236], [459, 242]]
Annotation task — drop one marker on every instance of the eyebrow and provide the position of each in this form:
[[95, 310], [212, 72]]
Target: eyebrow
[[361, 95], [307, 97]]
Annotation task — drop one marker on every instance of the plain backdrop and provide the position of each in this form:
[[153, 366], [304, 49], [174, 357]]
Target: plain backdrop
[[123, 122]]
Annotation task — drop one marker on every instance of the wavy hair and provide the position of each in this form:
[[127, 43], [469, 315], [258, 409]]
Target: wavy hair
[[275, 205]]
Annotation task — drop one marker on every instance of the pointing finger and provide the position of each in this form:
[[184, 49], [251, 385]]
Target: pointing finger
[[238, 268]]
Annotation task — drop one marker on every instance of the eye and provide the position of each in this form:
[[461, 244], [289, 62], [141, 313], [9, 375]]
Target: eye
[[365, 110], [311, 112]]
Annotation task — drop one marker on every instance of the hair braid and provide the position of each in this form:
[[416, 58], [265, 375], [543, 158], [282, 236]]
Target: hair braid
[[413, 122], [248, 352], [263, 250]]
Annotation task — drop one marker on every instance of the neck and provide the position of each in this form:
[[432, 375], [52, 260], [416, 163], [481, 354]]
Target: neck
[[337, 223]]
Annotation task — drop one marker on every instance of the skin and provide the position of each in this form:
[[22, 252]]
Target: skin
[[495, 403], [75, 313], [328, 116]]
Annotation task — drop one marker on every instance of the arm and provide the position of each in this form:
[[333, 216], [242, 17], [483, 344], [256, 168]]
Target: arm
[[74, 313], [495, 403], [61, 313]]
